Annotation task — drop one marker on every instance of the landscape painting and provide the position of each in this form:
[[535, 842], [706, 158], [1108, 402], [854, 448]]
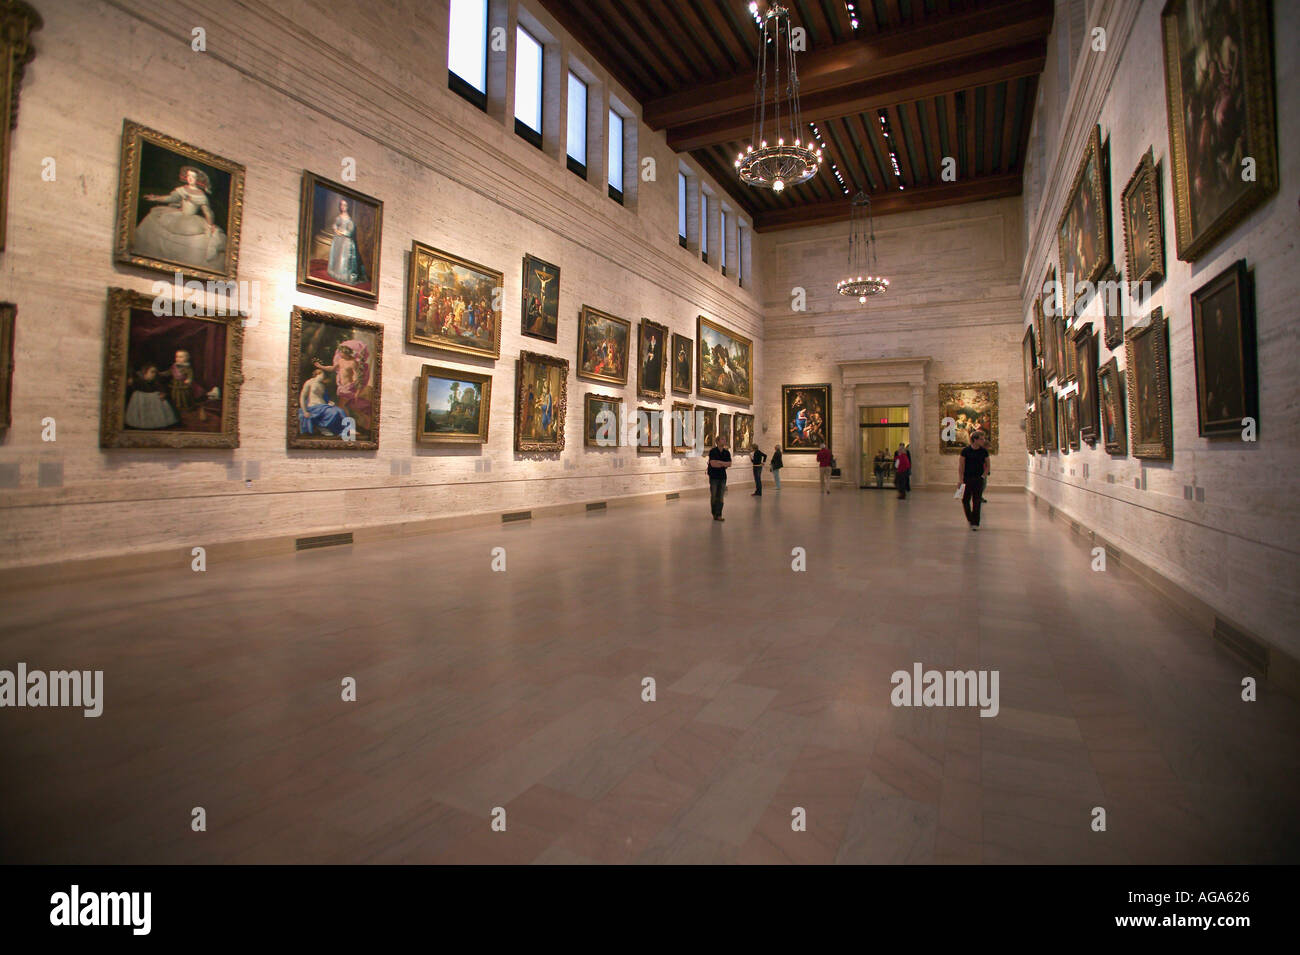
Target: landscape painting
[[603, 341], [725, 363], [454, 405]]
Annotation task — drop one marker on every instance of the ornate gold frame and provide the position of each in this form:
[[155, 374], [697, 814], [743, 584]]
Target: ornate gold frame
[[305, 281], [735, 426], [690, 361], [413, 303], [688, 433], [1145, 180], [484, 383], [1155, 325], [1084, 345], [1092, 150], [700, 389], [293, 436], [531, 261], [582, 333], [588, 419], [785, 423], [946, 390], [706, 415], [642, 388], [561, 401], [1046, 406], [18, 21], [1120, 410], [1238, 278], [650, 448]]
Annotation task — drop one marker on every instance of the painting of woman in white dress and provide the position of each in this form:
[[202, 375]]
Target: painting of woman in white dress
[[338, 239]]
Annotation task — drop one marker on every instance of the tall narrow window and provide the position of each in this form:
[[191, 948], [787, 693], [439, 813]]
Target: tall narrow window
[[681, 209], [577, 140], [528, 87], [704, 226], [467, 41], [722, 245], [740, 255], [615, 156]]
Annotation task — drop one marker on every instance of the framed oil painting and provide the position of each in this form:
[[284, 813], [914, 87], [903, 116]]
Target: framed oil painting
[[170, 381], [1031, 431], [541, 305], [1047, 332], [1144, 230], [724, 429], [1083, 234], [1029, 360], [1113, 311], [16, 51], [650, 430], [1061, 345], [1084, 344], [339, 232], [449, 303], [179, 208], [683, 436], [1223, 337], [603, 341], [335, 373], [973, 406], [708, 426], [1047, 421], [1037, 326], [454, 406], [725, 363], [1063, 424], [602, 420], [682, 364], [1220, 96], [541, 399], [651, 352], [805, 418], [1072, 419], [1114, 414], [742, 426], [1146, 357], [8, 312]]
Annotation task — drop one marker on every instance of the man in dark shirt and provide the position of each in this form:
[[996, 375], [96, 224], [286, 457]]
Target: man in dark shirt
[[971, 470], [756, 458], [719, 461]]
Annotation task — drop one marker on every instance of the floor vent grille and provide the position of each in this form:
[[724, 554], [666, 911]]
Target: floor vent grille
[[596, 506], [325, 540], [516, 516], [672, 496]]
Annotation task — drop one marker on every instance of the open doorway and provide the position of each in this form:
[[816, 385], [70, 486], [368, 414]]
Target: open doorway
[[882, 429]]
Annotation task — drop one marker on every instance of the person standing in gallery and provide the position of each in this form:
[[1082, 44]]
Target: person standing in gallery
[[972, 469], [902, 471], [824, 466], [776, 466], [719, 461], [756, 458]]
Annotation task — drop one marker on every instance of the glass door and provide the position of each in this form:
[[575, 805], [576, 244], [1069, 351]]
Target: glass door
[[883, 429]]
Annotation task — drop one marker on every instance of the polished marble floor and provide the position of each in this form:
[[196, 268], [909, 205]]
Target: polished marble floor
[[523, 690]]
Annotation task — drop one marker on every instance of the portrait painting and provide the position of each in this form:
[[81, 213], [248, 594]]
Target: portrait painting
[[339, 233], [335, 366], [683, 436], [454, 406], [724, 429], [17, 50], [682, 356], [1223, 339], [602, 420], [1063, 356], [170, 380], [179, 208], [1113, 312], [1146, 357], [453, 303], [708, 426], [603, 342], [972, 406], [742, 426], [1219, 92], [1083, 234], [1084, 344], [1063, 424], [725, 363], [1029, 360], [8, 313], [1072, 419], [1144, 232], [651, 365], [805, 418], [1048, 314], [541, 305], [650, 430], [1114, 414], [541, 399], [1047, 421]]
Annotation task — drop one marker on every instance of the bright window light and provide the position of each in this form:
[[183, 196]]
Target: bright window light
[[681, 205], [577, 142], [616, 150], [528, 80], [467, 42]]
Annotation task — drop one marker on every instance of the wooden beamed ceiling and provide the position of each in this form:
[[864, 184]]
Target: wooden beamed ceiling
[[949, 78]]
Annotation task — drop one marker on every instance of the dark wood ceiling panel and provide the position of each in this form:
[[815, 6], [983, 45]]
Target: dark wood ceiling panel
[[625, 33], [851, 162], [711, 54], [934, 148], [910, 200], [812, 16], [893, 138], [641, 18]]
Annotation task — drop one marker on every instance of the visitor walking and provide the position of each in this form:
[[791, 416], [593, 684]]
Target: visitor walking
[[902, 471], [776, 466], [719, 461], [824, 466], [972, 469], [756, 458]]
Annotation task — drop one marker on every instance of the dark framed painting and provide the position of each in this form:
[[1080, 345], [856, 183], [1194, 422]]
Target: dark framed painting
[[725, 363], [742, 433], [1114, 413], [170, 380], [603, 342], [1219, 91], [1047, 421], [1144, 230], [682, 355], [1084, 344], [1029, 359], [724, 428], [1113, 312], [1031, 431], [1223, 337], [455, 406], [651, 353], [1064, 355], [541, 305], [541, 400], [1037, 326], [453, 303], [805, 418], [708, 426], [1083, 234], [602, 420], [1146, 357], [179, 208], [1048, 315], [1063, 424], [8, 313], [1072, 419], [16, 51], [683, 435], [335, 374], [339, 231], [973, 406], [650, 430]]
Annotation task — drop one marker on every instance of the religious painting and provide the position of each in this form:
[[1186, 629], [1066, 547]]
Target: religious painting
[[335, 371], [724, 428], [1113, 310], [1040, 343], [16, 51], [683, 436], [602, 419], [541, 398], [971, 406], [1072, 419], [708, 426], [1064, 358], [650, 430], [170, 380], [725, 363], [682, 355], [651, 351], [1029, 360], [541, 305], [454, 406], [1222, 129], [453, 303], [1223, 337], [1084, 345], [742, 426], [1083, 234], [1146, 357], [8, 311], [1144, 231], [339, 233], [1047, 421], [1114, 414], [603, 341], [179, 208], [805, 418]]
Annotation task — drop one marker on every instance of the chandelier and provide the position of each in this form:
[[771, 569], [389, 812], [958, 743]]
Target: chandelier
[[777, 156], [862, 254]]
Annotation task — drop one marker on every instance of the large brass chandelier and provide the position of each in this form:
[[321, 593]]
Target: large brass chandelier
[[861, 283], [777, 156]]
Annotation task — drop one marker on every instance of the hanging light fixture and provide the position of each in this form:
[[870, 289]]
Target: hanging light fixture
[[780, 153], [862, 254]]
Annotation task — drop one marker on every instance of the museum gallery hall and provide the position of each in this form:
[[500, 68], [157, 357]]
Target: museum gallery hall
[[649, 431]]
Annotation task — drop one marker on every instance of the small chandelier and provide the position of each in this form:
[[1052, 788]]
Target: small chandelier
[[777, 156], [862, 254]]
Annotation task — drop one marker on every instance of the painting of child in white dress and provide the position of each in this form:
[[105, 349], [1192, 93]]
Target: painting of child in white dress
[[339, 239], [175, 368]]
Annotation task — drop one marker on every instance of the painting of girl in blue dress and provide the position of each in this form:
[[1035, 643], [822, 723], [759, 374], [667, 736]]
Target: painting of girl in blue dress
[[339, 239]]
